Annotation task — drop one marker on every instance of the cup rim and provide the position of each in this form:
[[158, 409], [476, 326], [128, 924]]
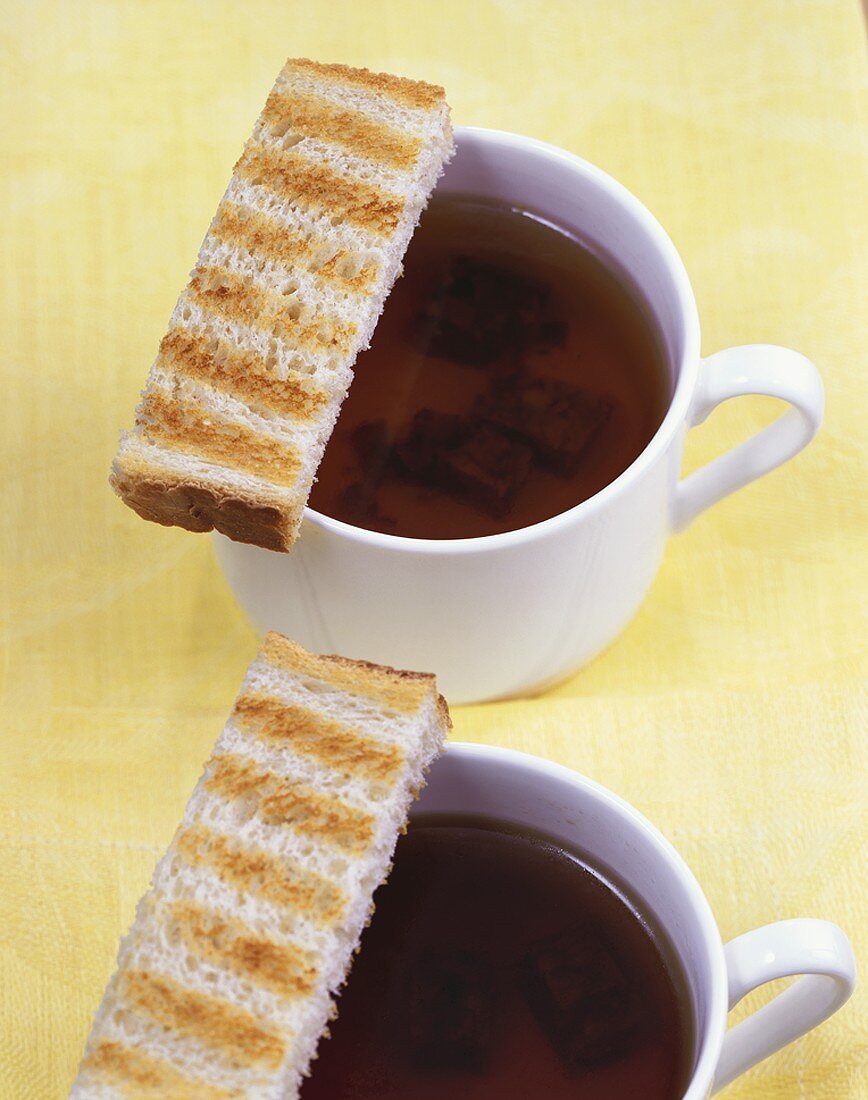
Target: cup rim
[[709, 1039], [675, 414]]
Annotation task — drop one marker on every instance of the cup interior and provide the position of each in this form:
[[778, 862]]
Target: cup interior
[[617, 840], [612, 223]]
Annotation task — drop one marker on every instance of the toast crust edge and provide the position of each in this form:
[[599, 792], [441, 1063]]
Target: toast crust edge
[[178, 502], [397, 687]]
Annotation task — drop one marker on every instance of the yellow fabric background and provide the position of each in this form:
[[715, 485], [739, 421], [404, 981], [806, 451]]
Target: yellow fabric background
[[733, 710]]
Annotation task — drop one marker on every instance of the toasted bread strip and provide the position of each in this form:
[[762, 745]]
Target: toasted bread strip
[[132, 1073], [290, 280], [225, 982]]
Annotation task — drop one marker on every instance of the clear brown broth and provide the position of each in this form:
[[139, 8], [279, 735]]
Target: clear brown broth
[[482, 896], [551, 313]]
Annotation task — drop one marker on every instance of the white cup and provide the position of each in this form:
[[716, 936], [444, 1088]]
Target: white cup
[[512, 613], [615, 838]]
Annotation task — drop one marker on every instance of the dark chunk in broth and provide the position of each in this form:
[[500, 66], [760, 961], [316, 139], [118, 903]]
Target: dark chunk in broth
[[432, 434], [479, 312], [465, 457], [580, 996], [488, 469], [449, 1009], [557, 420]]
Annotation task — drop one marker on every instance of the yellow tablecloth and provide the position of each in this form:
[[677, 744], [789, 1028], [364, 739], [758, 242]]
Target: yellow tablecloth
[[732, 711]]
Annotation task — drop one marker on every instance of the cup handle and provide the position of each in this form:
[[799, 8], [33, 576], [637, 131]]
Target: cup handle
[[736, 372], [815, 950]]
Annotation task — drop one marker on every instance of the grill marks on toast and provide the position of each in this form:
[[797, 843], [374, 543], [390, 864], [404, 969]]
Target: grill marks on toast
[[190, 429], [241, 373], [251, 870], [232, 1033], [280, 801], [311, 734], [233, 297], [300, 181], [290, 116], [262, 236], [284, 969], [413, 93], [137, 1074]]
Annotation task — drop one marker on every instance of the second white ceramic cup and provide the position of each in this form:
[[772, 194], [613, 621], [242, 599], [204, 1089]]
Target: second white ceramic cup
[[615, 838], [511, 613]]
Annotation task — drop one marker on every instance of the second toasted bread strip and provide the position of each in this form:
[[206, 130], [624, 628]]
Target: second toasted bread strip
[[225, 982]]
